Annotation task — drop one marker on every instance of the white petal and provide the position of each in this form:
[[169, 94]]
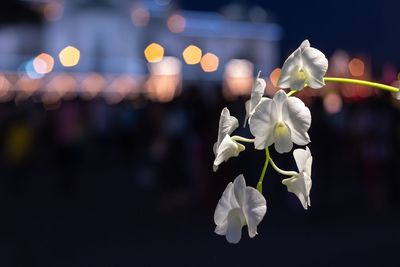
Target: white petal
[[261, 124], [282, 137], [298, 118], [301, 156], [221, 229], [226, 150], [227, 124], [226, 203], [235, 224], [239, 187], [292, 63], [254, 209], [247, 108], [316, 65], [304, 45], [280, 101], [257, 93], [300, 186]]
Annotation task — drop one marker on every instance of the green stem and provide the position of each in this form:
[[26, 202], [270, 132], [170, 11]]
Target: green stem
[[362, 82], [292, 92], [239, 138], [260, 182], [287, 173]]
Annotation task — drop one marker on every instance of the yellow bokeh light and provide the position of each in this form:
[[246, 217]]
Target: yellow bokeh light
[[43, 63], [192, 55], [154, 52], [176, 23], [209, 62], [69, 56], [356, 67]]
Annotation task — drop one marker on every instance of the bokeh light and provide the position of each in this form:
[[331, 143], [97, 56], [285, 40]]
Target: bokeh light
[[238, 77], [209, 62], [356, 67], [43, 63], [176, 23], [332, 103], [69, 56], [140, 16], [192, 55], [274, 76], [165, 79], [92, 85], [154, 52], [53, 10]]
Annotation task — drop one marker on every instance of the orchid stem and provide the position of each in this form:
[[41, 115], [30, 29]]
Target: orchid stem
[[292, 92], [276, 168], [242, 139], [362, 82], [260, 182]]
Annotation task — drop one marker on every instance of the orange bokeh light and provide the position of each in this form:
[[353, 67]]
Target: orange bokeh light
[[176, 23], [192, 55], [209, 62], [154, 52], [274, 76], [43, 63], [356, 67]]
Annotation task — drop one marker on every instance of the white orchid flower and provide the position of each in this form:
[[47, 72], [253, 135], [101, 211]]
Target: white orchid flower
[[239, 205], [225, 147], [257, 93], [282, 120], [300, 184], [306, 66]]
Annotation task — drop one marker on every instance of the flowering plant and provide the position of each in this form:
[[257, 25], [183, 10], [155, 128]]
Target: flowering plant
[[280, 121]]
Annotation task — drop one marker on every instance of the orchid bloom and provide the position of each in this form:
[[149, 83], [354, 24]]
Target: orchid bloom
[[300, 185], [225, 147], [239, 205], [282, 120], [257, 93], [306, 66]]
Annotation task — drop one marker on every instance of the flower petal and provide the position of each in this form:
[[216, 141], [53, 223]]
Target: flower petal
[[225, 204], [304, 45], [226, 150], [261, 124], [301, 156], [300, 186], [254, 208], [227, 124], [280, 101], [239, 187], [282, 138], [298, 118], [256, 94], [291, 65], [316, 64], [235, 224]]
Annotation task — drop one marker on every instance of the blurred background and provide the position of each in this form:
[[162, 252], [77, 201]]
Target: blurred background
[[109, 111]]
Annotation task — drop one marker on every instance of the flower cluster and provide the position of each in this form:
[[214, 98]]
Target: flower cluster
[[280, 121]]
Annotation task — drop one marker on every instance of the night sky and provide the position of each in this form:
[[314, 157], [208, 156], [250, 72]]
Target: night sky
[[359, 26]]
